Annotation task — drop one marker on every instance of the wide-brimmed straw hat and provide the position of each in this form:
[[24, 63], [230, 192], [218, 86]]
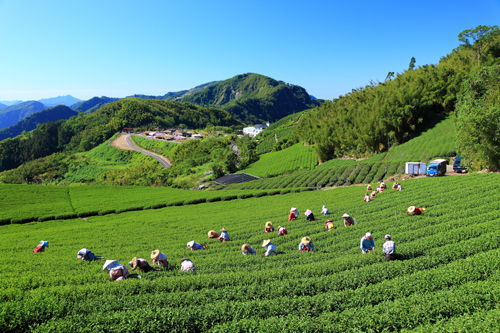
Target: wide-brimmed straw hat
[[155, 254], [411, 209], [306, 240], [266, 242], [190, 244], [133, 263], [223, 229], [345, 215], [245, 248], [211, 233], [269, 224], [374, 192], [184, 259]]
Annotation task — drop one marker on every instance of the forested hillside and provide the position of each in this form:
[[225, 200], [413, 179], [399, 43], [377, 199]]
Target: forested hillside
[[28, 124], [12, 114], [85, 132], [92, 104], [374, 118], [254, 98]]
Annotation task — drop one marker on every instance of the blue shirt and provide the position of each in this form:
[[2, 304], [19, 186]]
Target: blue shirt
[[310, 246], [366, 244], [224, 235], [252, 251], [270, 248]]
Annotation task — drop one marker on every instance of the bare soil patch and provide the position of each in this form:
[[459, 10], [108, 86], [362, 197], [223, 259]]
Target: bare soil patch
[[120, 143]]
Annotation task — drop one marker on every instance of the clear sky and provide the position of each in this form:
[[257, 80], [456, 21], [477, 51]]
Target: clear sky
[[117, 48]]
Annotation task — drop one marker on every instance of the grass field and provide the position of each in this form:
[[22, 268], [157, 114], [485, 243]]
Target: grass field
[[297, 157], [448, 280]]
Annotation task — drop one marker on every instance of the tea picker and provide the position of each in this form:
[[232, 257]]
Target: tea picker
[[270, 248], [195, 246], [306, 244], [41, 247], [160, 258], [118, 272], [141, 265], [414, 210], [87, 255]]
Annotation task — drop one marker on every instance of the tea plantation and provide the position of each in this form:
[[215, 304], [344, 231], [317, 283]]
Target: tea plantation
[[447, 281]]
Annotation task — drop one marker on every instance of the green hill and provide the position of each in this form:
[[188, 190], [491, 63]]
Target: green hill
[[437, 142], [85, 132], [447, 280], [29, 123], [11, 115], [374, 118], [254, 98]]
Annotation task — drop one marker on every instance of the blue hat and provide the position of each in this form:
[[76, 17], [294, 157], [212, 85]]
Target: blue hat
[[44, 243]]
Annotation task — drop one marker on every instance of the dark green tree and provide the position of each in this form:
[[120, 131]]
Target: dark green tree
[[478, 38], [478, 125], [412, 64]]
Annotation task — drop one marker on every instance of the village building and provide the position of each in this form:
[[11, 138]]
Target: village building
[[254, 130]]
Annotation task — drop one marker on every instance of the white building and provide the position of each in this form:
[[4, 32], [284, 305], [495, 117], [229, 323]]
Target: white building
[[254, 130]]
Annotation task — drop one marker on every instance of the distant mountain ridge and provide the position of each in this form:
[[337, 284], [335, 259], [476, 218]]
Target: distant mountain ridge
[[3, 105], [12, 114], [29, 123], [67, 100], [93, 104]]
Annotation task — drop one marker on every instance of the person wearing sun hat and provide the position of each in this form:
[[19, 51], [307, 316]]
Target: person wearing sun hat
[[325, 210], [187, 265], [389, 248], [224, 236], [369, 187], [372, 195], [159, 258], [41, 247], [117, 271], [294, 212], [269, 227], [414, 210], [306, 244], [309, 215], [247, 249], [270, 248], [383, 186], [213, 234], [140, 264], [367, 244], [329, 225], [282, 231], [367, 198], [87, 255], [348, 220], [194, 246]]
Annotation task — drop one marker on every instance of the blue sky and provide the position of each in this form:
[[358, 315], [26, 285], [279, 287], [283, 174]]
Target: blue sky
[[117, 48]]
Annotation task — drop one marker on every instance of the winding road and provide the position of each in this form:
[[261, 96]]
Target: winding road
[[163, 161]]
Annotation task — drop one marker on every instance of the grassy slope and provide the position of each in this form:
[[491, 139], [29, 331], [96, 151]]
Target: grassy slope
[[451, 267], [291, 159], [438, 141]]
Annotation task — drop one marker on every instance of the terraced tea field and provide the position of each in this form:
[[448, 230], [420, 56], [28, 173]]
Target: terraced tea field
[[448, 280], [297, 157]]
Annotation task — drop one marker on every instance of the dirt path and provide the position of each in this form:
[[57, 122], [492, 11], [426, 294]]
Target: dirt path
[[125, 142], [121, 143]]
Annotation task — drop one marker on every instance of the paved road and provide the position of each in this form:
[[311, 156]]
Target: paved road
[[159, 158]]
